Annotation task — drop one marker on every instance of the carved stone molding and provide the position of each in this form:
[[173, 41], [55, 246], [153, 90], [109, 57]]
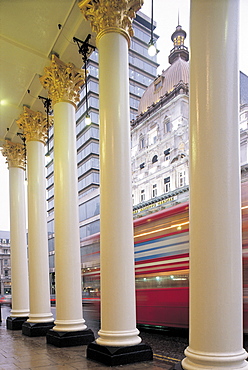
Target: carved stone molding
[[63, 81], [110, 15], [34, 125], [15, 154]]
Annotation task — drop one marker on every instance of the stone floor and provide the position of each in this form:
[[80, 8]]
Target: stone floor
[[18, 351]]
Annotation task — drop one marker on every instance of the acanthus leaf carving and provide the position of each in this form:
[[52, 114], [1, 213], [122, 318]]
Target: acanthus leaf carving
[[63, 81], [34, 125], [105, 15], [15, 154]]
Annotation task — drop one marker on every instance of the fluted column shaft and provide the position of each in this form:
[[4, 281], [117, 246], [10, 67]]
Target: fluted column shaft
[[15, 154], [112, 23], [34, 127], [118, 317], [18, 244], [63, 82], [215, 207], [66, 221], [40, 310]]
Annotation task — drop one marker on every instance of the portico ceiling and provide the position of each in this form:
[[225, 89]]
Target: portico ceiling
[[30, 31]]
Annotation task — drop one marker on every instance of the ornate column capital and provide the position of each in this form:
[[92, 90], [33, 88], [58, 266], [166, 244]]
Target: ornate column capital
[[34, 125], [63, 81], [110, 15], [15, 154]]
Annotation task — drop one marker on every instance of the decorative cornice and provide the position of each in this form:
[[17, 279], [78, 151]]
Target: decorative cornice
[[162, 197], [15, 154], [34, 125], [180, 88], [63, 81], [110, 15]]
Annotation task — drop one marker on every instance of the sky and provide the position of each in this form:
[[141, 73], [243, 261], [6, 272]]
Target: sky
[[165, 13]]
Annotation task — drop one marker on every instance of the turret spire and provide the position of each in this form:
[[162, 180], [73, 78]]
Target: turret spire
[[179, 50]]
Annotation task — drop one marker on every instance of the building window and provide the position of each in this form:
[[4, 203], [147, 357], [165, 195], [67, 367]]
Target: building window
[[142, 195], [6, 273], [181, 178], [167, 125], [155, 158], [167, 154], [142, 143], [154, 190], [50, 227], [158, 85], [89, 209], [89, 229], [153, 136], [5, 251], [142, 165], [167, 184]]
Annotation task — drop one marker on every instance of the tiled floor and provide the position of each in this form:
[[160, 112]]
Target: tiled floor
[[18, 351]]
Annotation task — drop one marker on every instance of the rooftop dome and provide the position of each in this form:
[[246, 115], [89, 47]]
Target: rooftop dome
[[178, 71]]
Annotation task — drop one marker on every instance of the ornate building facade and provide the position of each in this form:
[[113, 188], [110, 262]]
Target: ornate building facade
[[244, 125], [160, 134], [5, 267]]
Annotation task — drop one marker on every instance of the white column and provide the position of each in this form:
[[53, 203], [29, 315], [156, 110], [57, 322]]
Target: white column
[[15, 154], [66, 222], [215, 216], [18, 243], [118, 315], [63, 82], [40, 311]]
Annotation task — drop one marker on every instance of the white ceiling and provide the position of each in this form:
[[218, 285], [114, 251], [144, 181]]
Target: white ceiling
[[29, 33]]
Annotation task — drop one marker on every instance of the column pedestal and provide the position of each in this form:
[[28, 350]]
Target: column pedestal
[[115, 356], [32, 329], [177, 367], [15, 323], [69, 338]]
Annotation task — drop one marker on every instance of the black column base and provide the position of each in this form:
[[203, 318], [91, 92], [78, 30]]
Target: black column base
[[177, 366], [69, 338], [36, 329], [114, 356], [15, 323]]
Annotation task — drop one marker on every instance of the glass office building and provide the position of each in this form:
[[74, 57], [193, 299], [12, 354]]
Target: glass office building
[[142, 71]]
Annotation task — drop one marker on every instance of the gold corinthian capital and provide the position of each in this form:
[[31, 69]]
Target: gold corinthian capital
[[110, 15], [34, 125], [63, 81], [15, 154]]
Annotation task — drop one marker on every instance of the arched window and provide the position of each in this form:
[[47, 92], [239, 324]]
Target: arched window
[[155, 158], [167, 124]]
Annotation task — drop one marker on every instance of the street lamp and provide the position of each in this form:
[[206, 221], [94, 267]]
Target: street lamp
[[152, 50], [87, 117], [47, 102], [85, 49]]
